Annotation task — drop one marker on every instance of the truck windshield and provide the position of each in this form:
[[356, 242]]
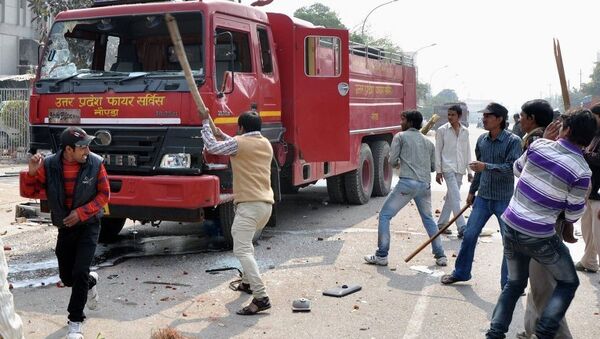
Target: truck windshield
[[126, 47]]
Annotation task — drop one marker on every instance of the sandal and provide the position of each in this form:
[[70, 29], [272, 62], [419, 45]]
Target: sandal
[[240, 286], [448, 279], [255, 306]]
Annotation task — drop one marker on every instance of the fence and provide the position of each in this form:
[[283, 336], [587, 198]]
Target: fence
[[14, 124]]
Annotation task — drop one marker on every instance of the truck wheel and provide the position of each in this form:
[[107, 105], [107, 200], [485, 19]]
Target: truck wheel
[[336, 189], [382, 182], [287, 187], [226, 214], [359, 183], [110, 229]]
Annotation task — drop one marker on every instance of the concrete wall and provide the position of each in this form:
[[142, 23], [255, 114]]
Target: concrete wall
[[15, 24]]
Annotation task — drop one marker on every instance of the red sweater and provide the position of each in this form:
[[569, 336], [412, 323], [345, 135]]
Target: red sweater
[[37, 183]]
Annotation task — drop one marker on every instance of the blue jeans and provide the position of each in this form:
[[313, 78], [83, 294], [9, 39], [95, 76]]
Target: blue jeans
[[483, 209], [550, 252], [405, 191]]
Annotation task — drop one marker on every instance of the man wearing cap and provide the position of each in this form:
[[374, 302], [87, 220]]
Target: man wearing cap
[[77, 188], [493, 182]]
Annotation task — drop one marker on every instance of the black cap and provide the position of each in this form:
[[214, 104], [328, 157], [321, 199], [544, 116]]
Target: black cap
[[495, 109], [75, 136]]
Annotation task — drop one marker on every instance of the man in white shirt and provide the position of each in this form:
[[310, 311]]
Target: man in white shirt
[[452, 157], [11, 325]]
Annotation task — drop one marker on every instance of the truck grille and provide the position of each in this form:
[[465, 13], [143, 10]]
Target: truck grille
[[131, 150]]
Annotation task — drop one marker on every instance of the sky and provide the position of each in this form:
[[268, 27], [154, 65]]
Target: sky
[[493, 50]]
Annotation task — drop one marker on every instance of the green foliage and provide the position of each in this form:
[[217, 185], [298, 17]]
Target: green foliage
[[423, 93], [428, 103], [13, 114], [45, 10], [446, 95], [593, 87], [319, 15]]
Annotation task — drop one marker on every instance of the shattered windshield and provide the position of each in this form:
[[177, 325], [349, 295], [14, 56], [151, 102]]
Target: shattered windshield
[[125, 46]]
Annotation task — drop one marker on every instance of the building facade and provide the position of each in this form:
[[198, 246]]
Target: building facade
[[18, 51]]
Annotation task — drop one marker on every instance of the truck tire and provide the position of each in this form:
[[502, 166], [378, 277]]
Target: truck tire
[[226, 214], [336, 189], [382, 181], [110, 229], [359, 182], [286, 185]]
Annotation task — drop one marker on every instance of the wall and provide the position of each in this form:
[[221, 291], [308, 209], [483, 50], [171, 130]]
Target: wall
[[15, 24]]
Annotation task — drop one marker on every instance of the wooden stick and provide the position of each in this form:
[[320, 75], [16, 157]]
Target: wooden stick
[[187, 70], [561, 75], [437, 234]]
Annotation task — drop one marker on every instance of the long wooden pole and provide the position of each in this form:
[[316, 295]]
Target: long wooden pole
[[187, 70], [561, 75], [412, 255]]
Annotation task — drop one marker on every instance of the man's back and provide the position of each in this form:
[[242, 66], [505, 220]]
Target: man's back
[[252, 169], [554, 178], [415, 155]]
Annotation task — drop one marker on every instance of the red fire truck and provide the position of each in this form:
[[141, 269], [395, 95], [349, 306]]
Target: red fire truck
[[330, 108]]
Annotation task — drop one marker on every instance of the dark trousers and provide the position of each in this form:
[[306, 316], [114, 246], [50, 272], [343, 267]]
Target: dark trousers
[[75, 248]]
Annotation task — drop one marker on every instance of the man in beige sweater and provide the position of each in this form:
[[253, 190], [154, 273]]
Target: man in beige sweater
[[250, 154]]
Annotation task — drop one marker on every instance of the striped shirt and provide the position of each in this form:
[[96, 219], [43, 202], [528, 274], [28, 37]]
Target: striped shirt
[[228, 146], [414, 154], [37, 183], [497, 181], [554, 177]]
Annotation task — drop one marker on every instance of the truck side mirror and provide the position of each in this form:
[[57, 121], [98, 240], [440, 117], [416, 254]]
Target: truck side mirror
[[40, 50], [224, 69]]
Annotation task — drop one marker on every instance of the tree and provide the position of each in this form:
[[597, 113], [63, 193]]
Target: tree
[[45, 10], [319, 15], [423, 93], [593, 87], [446, 95]]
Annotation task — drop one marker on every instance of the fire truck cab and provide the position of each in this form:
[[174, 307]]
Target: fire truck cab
[[329, 109]]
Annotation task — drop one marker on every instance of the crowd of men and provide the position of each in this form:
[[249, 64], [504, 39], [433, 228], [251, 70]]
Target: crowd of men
[[557, 163]]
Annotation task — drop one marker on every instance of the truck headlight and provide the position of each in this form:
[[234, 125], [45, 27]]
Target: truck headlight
[[176, 160]]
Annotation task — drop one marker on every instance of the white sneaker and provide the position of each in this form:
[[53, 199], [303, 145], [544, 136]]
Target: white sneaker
[[93, 298], [375, 260], [441, 261], [75, 330]]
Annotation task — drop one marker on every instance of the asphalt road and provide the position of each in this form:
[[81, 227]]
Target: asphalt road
[[315, 247]]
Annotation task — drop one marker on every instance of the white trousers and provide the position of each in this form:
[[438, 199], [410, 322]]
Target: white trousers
[[250, 217], [10, 323]]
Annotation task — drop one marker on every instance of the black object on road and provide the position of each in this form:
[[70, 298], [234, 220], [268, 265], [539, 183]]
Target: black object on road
[[341, 291]]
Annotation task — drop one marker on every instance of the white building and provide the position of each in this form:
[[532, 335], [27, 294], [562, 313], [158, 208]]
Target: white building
[[18, 47]]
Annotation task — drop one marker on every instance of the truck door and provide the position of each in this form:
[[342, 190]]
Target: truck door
[[234, 75], [321, 98]]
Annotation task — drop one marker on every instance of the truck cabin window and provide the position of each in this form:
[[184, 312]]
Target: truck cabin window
[[119, 46], [228, 60], [322, 56]]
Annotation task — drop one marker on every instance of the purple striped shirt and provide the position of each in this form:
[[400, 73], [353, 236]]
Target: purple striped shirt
[[554, 177]]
